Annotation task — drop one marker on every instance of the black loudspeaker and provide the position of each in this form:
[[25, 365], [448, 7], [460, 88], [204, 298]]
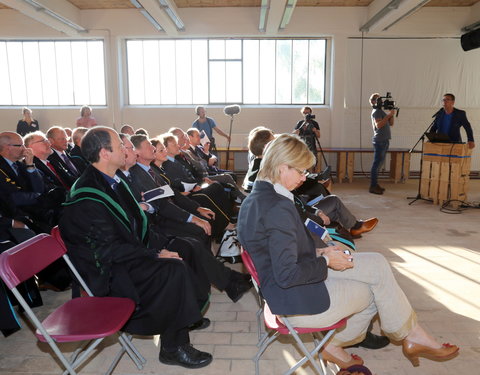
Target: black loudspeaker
[[470, 40]]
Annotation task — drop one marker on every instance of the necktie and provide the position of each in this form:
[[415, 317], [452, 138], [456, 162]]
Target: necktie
[[15, 168], [70, 165], [50, 166]]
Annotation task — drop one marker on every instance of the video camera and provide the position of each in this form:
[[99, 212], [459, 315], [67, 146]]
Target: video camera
[[309, 117], [385, 102]]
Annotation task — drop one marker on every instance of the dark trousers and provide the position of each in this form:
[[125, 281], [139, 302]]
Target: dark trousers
[[379, 154]]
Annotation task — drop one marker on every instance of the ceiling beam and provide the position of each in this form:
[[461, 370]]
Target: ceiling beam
[[157, 10], [474, 19], [274, 17], [61, 16], [383, 14]]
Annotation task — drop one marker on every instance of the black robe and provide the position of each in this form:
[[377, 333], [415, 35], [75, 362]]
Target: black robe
[[107, 237]]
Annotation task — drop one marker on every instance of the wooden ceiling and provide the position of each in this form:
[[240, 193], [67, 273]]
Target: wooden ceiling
[[126, 4]]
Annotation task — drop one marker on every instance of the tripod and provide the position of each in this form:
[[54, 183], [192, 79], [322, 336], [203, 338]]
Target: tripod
[[422, 138]]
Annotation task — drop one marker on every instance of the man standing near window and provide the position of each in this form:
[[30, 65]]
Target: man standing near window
[[449, 120], [308, 129], [381, 123]]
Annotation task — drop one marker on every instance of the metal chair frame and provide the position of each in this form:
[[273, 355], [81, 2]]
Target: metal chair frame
[[56, 249]]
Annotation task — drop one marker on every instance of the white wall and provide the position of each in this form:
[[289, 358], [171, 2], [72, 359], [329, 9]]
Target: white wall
[[341, 121]]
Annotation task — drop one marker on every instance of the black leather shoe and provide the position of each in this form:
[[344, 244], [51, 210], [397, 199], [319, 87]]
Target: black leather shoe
[[373, 341], [186, 356], [201, 324], [237, 287]]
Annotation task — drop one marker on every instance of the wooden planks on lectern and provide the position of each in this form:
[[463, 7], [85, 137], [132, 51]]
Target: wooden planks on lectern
[[445, 172]]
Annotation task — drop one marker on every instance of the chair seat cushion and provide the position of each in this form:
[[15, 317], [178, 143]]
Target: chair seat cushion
[[87, 318]]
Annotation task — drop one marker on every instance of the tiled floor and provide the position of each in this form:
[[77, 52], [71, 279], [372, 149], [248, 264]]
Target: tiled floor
[[437, 262]]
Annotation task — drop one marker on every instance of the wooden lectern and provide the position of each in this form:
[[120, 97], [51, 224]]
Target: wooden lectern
[[445, 172]]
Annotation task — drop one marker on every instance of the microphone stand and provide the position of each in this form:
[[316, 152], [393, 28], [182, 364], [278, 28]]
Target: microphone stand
[[229, 141], [422, 138]]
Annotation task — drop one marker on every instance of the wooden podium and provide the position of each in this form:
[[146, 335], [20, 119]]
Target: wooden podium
[[445, 172]]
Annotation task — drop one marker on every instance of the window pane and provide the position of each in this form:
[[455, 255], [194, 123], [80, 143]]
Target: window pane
[[284, 72], [17, 75], [151, 61], [233, 49], [184, 72], [316, 76], [267, 71], [80, 72], [217, 82], [234, 82], [168, 91], [63, 53], [96, 73], [251, 66], [32, 73], [5, 97], [216, 49], [300, 71], [200, 71], [135, 72], [49, 73]]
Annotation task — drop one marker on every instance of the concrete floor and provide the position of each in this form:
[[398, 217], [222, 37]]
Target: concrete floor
[[435, 257]]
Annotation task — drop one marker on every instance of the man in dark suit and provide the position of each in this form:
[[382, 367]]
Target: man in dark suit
[[40, 146], [76, 152], [234, 283], [449, 120], [59, 158], [107, 236], [20, 183]]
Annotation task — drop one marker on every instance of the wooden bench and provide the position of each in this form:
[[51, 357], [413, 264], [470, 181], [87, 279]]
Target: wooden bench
[[399, 161]]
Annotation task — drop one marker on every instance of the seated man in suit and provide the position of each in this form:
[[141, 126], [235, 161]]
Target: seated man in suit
[[107, 236], [212, 195], [59, 158], [76, 151], [234, 283]]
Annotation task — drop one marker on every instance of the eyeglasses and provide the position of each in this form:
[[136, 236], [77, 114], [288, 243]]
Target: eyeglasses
[[19, 145], [129, 148], [40, 141], [300, 172], [446, 100]]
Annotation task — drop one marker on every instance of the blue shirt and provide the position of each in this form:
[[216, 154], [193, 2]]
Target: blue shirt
[[207, 126], [446, 123]]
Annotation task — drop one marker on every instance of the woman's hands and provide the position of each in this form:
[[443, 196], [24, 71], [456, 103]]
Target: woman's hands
[[337, 259]]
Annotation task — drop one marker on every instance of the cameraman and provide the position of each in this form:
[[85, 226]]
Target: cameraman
[[381, 123], [308, 129]]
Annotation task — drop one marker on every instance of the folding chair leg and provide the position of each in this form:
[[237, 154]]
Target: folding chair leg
[[133, 353], [266, 340], [84, 355]]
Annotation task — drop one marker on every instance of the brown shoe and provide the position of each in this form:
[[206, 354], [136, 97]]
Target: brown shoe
[[412, 351], [367, 226], [376, 190]]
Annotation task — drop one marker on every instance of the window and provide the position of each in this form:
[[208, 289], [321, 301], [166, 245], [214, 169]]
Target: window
[[218, 71], [56, 73]]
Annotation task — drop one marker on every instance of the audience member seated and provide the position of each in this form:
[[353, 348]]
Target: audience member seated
[[70, 143], [76, 151], [318, 287], [127, 129], [142, 131], [86, 120], [106, 233], [198, 167], [27, 124], [213, 196], [232, 282], [329, 209], [59, 158]]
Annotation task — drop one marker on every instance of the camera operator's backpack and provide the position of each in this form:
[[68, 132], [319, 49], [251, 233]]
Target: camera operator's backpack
[[230, 248]]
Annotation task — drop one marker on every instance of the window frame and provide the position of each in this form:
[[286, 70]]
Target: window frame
[[326, 73], [106, 90]]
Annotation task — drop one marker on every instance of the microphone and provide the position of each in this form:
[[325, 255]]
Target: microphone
[[437, 113], [231, 110]]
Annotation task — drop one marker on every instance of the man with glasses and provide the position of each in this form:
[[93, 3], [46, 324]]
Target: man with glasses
[[449, 120]]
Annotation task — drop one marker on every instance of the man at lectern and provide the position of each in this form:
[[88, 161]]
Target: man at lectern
[[449, 120]]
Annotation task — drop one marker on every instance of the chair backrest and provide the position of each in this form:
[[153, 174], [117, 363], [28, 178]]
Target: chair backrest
[[28, 258], [248, 263], [56, 234]]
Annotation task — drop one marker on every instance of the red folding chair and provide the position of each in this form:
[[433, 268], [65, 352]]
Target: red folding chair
[[281, 326], [88, 319]]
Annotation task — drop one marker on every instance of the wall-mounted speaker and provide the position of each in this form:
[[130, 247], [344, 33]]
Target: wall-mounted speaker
[[470, 40]]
